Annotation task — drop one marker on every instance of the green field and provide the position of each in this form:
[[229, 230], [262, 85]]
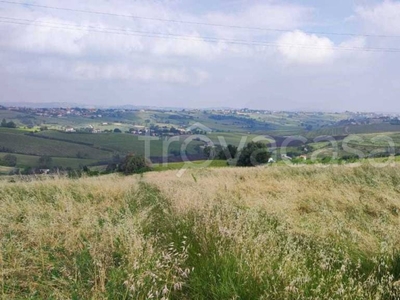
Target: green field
[[18, 142], [5, 170], [190, 165], [32, 161], [122, 142], [233, 138], [231, 126]]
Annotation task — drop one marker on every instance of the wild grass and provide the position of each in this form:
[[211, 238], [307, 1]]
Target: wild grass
[[259, 233]]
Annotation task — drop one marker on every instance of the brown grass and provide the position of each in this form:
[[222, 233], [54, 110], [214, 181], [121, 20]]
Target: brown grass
[[268, 233]]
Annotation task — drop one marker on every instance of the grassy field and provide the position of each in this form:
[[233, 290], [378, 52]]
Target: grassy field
[[122, 143], [73, 150], [17, 141], [190, 165], [233, 138], [5, 170], [234, 233], [32, 161]]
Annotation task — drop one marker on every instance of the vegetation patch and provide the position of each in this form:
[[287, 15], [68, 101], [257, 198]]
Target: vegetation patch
[[163, 237]]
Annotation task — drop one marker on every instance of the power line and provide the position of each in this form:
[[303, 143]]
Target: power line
[[193, 22], [129, 32]]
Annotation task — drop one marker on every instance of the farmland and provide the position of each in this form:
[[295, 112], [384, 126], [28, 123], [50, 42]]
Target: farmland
[[32, 161], [30, 145], [122, 143], [98, 135]]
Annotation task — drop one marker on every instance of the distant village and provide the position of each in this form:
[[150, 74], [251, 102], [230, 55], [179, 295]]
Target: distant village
[[99, 114]]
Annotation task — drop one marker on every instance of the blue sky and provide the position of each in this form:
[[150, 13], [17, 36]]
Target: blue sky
[[301, 66]]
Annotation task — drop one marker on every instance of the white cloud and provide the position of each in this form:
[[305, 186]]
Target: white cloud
[[39, 62], [383, 17], [75, 42], [45, 40], [87, 71], [356, 42], [108, 56], [300, 47], [266, 15], [90, 72]]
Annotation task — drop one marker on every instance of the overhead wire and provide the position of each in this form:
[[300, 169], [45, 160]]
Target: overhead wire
[[193, 22], [147, 34]]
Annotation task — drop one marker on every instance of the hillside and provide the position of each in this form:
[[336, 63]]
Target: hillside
[[259, 233]]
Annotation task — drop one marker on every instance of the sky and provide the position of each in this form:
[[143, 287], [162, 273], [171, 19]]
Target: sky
[[313, 55]]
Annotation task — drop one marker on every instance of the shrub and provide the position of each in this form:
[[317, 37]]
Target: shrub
[[9, 160], [45, 162], [134, 164], [255, 153]]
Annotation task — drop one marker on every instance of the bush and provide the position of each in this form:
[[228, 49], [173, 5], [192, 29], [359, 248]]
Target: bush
[[6, 124], [45, 162], [134, 164], [228, 152], [9, 160], [253, 154]]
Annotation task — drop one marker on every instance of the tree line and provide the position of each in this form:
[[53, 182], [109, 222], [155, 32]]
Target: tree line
[[9, 124]]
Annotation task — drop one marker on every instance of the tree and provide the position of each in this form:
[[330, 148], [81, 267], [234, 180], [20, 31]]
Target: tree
[[117, 130], [10, 124], [253, 154], [9, 160], [209, 152], [116, 158], [45, 162], [228, 152], [133, 164]]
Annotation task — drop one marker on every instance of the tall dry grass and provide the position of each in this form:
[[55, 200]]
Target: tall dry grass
[[257, 233], [362, 203]]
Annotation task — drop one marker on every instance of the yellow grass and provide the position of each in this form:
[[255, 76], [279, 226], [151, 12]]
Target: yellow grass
[[307, 232], [363, 202]]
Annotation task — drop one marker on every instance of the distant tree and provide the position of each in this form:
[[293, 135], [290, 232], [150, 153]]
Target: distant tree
[[134, 164], [227, 153], [27, 171], [175, 152], [209, 152], [11, 124], [45, 162], [111, 167], [116, 158], [117, 130], [255, 153], [9, 160]]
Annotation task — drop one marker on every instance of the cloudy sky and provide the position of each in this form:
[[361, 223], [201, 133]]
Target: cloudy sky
[[294, 55]]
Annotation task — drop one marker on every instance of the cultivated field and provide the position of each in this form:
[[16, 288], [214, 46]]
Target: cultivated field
[[17, 141], [258, 233], [122, 142]]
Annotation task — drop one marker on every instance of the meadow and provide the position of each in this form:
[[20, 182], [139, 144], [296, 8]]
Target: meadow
[[275, 232], [32, 161], [122, 142], [17, 141]]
